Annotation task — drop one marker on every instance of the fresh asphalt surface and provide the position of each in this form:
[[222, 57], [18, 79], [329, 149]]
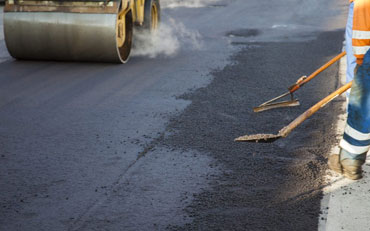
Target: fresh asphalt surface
[[149, 145]]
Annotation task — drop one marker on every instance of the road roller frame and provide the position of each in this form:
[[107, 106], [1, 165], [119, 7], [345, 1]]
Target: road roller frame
[[127, 12], [75, 6]]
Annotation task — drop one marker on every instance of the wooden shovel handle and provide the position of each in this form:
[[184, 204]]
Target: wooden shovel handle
[[303, 80], [286, 130]]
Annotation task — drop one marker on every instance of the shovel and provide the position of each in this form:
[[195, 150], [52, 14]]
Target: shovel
[[298, 84], [284, 132]]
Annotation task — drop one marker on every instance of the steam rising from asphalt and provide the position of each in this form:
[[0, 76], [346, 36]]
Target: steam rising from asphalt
[[167, 40], [187, 3], [171, 35]]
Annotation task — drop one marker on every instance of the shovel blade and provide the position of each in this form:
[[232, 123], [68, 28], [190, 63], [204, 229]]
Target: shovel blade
[[265, 107], [258, 138]]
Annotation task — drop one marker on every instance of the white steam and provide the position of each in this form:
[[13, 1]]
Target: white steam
[[167, 40], [187, 3], [171, 35]]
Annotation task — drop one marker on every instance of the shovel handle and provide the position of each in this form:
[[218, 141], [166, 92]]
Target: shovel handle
[[303, 80], [286, 130]]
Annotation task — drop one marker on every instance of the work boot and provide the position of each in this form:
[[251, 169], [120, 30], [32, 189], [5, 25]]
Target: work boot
[[352, 169], [334, 163]]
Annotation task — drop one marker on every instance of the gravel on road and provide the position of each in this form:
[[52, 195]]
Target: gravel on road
[[273, 186]]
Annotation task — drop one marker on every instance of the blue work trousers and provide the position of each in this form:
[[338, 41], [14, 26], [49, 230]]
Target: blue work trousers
[[356, 139]]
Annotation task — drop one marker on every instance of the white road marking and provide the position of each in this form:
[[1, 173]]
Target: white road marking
[[345, 205]]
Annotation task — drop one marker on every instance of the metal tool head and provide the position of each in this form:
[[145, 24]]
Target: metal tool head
[[259, 138], [265, 107], [273, 103]]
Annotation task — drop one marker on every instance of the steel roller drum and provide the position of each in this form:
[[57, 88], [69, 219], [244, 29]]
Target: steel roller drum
[[65, 36]]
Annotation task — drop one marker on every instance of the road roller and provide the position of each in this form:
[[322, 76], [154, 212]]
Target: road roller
[[76, 30]]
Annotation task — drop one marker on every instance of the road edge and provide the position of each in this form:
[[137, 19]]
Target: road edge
[[345, 202]]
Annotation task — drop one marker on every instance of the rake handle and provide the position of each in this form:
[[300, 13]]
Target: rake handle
[[302, 81], [286, 130]]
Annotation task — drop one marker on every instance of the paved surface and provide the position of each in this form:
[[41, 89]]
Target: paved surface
[[262, 186], [148, 145]]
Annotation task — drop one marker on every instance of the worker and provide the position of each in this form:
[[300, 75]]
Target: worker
[[356, 138]]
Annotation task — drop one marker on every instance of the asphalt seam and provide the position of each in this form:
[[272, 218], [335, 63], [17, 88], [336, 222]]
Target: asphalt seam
[[80, 222], [338, 127]]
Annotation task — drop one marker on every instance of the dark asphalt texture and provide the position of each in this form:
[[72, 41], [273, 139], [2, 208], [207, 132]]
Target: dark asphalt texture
[[273, 186]]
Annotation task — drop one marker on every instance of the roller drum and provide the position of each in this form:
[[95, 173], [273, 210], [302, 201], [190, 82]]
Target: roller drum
[[64, 36]]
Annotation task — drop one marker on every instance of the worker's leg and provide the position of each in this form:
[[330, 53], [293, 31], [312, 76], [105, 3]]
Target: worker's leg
[[351, 59], [356, 138]]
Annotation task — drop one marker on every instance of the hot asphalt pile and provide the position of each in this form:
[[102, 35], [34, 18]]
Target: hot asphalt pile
[[262, 186]]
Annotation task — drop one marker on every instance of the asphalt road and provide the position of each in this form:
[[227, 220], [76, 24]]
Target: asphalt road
[[148, 145]]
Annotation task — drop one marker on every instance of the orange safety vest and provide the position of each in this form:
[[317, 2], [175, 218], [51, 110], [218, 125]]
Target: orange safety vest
[[361, 29]]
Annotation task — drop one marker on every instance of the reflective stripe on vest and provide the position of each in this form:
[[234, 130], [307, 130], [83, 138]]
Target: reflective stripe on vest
[[361, 28]]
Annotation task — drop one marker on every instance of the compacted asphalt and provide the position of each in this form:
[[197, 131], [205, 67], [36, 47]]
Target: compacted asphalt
[[148, 145]]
